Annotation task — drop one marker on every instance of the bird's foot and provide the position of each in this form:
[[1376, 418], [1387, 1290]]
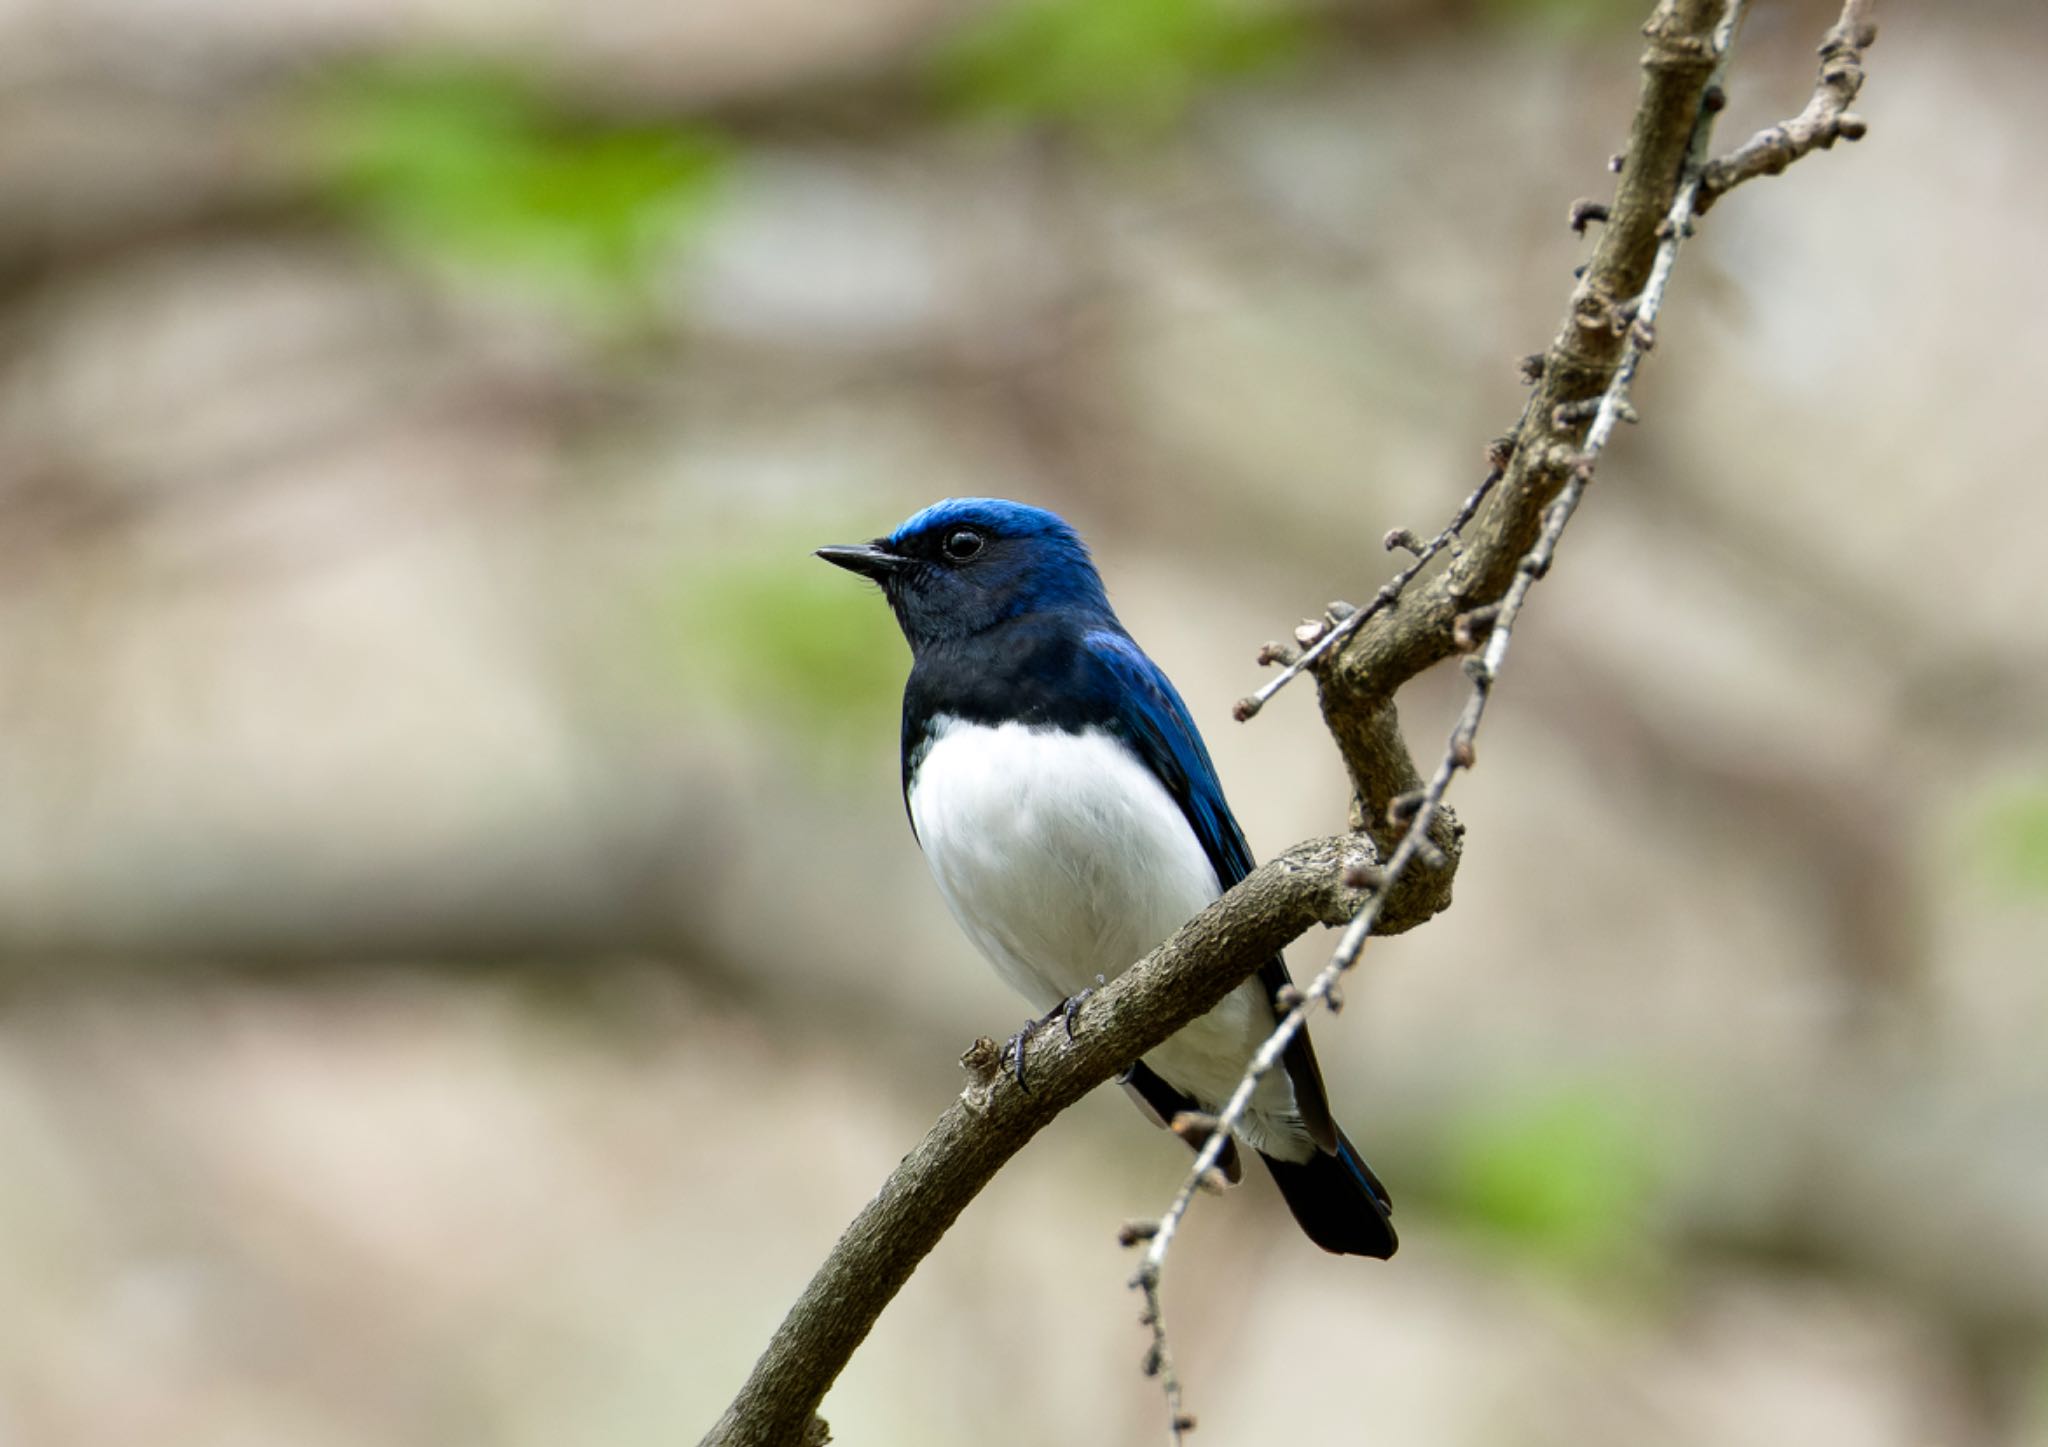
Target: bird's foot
[[1073, 1005], [1065, 1011], [1013, 1050]]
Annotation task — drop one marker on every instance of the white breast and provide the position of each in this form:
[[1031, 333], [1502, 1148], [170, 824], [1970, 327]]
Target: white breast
[[1063, 858]]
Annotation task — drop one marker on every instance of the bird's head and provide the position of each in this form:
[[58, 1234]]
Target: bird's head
[[968, 563]]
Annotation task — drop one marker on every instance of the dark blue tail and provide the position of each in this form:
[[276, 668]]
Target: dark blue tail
[[1338, 1201]]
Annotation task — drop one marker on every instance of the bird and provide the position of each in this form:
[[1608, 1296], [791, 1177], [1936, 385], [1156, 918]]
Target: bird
[[1071, 817]]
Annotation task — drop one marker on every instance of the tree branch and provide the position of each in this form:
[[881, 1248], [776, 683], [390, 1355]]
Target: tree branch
[[1577, 367], [1826, 119], [993, 1119]]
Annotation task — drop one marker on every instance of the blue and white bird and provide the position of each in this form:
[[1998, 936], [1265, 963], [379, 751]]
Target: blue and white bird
[[1072, 819]]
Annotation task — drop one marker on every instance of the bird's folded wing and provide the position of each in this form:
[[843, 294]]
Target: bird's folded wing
[[1155, 724]]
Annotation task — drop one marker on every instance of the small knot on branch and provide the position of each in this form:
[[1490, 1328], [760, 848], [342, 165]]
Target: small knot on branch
[[1362, 874], [1531, 368], [1402, 539], [1271, 653], [1585, 212], [983, 1062], [1592, 312], [1671, 48], [1337, 610], [1566, 415], [1402, 808], [1561, 459], [1287, 999], [1309, 632], [1133, 1233], [1851, 126], [1470, 629], [1842, 71], [1859, 36]]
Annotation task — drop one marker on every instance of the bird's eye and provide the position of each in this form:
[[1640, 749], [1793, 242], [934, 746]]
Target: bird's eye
[[962, 544]]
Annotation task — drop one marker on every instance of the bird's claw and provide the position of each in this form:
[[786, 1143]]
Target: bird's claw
[[1065, 1012], [1013, 1049], [1073, 1006]]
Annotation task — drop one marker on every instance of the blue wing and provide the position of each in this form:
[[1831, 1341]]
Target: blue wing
[[1154, 723]]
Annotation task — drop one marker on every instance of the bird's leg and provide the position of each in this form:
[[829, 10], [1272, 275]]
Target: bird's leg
[[1065, 1011]]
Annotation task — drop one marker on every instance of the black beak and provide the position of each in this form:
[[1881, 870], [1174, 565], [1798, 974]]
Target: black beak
[[870, 560]]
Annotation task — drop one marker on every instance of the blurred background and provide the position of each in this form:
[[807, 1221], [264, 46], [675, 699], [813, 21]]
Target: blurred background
[[462, 959]]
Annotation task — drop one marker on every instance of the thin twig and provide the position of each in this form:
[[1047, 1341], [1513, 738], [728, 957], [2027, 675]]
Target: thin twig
[[1825, 120], [1418, 810], [1386, 597]]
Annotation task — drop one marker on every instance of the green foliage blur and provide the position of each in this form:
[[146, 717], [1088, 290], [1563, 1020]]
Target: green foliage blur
[[480, 171], [475, 169], [2015, 839], [794, 644], [1569, 1175], [1109, 68]]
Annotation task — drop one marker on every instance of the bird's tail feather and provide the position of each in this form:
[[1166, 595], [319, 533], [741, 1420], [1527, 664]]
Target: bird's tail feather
[[1338, 1201]]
